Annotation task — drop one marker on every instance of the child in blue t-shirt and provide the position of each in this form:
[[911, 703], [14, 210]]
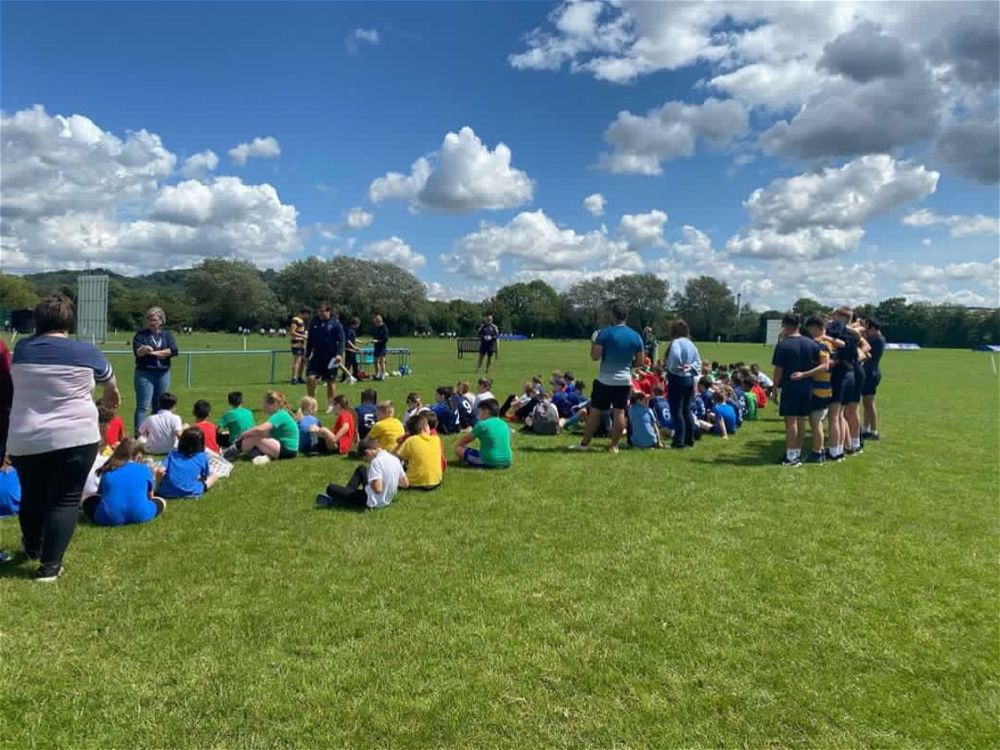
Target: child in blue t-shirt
[[10, 490], [309, 425], [185, 471], [725, 416], [449, 418], [463, 403], [642, 429], [661, 410], [125, 490], [366, 412]]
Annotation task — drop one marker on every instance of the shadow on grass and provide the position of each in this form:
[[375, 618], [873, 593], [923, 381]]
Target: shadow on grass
[[751, 453], [19, 567]]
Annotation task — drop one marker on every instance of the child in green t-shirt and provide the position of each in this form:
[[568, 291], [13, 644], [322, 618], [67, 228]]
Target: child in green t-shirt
[[234, 422], [275, 438], [493, 435]]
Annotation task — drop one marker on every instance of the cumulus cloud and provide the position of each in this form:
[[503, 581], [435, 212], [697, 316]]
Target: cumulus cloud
[[643, 230], [394, 250], [462, 177], [864, 54], [595, 204], [258, 148], [821, 214], [73, 193], [358, 218], [640, 144], [359, 37], [958, 225], [198, 165], [536, 242], [972, 148]]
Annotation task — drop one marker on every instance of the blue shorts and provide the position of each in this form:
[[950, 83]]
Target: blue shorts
[[378, 352], [473, 459]]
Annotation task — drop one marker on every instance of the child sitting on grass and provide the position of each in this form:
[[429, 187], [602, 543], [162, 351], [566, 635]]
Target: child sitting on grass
[[309, 425], [366, 412], [10, 489], [544, 418], [234, 422], [449, 418], [112, 426], [374, 486], [422, 454], [160, 431], [340, 440], [725, 416], [642, 429], [484, 393], [125, 492], [661, 410], [414, 405], [493, 435], [201, 411], [462, 402], [387, 430], [275, 438], [185, 472]]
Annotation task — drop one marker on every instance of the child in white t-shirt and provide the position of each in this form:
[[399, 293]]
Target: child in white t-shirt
[[160, 431], [373, 486], [484, 393]]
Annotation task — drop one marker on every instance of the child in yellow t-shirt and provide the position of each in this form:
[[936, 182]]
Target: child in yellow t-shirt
[[387, 430], [421, 451]]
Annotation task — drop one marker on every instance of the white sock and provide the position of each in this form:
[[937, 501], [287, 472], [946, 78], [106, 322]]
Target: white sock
[[855, 443], [790, 454], [836, 450]]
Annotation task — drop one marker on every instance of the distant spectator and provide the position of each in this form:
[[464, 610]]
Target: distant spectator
[[153, 347]]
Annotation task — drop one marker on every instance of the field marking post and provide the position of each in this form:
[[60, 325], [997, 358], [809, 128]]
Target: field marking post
[[274, 362], [993, 361], [187, 370]]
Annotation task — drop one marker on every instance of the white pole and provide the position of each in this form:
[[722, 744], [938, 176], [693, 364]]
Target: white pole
[[993, 361], [244, 342]]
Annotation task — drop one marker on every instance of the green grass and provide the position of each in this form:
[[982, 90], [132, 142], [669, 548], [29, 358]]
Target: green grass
[[652, 599]]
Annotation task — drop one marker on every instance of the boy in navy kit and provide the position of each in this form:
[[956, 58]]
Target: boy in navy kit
[[794, 353], [366, 412]]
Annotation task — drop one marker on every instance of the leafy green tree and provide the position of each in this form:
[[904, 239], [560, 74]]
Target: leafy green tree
[[644, 294], [231, 293], [708, 306], [16, 292], [534, 308], [806, 306]]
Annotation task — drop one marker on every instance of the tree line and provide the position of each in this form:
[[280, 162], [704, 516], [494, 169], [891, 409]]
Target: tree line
[[223, 295]]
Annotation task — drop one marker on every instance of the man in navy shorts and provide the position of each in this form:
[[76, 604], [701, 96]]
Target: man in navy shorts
[[794, 353], [324, 348]]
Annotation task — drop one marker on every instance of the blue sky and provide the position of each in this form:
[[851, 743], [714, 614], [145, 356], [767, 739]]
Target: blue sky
[[866, 129]]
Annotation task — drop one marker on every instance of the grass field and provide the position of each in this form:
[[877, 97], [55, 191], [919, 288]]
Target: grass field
[[695, 599]]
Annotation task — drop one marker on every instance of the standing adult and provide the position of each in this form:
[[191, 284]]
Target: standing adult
[[6, 396], [297, 329], [54, 433], [873, 376], [650, 344], [153, 347], [683, 365], [795, 353], [324, 348], [488, 334], [351, 351], [618, 348], [380, 345]]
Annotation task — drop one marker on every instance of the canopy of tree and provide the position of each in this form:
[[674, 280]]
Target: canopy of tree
[[220, 294]]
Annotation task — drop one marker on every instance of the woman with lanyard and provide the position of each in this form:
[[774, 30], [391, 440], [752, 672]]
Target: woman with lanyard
[[683, 365], [153, 347], [54, 431]]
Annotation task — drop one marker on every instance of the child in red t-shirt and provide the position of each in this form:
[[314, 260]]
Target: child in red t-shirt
[[113, 426], [201, 411], [344, 434]]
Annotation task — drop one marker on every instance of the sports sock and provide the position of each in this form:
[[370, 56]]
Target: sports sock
[[855, 443], [836, 450]]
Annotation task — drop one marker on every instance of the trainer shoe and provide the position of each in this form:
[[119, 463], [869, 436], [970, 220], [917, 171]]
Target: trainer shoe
[[231, 453], [816, 458], [324, 501], [791, 461], [579, 447], [835, 459], [260, 460], [48, 573], [352, 380], [329, 408], [5, 556], [872, 436]]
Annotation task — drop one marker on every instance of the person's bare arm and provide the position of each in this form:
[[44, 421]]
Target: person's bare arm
[[722, 428], [376, 485], [821, 367], [778, 372], [640, 358], [467, 438], [404, 481], [263, 429], [111, 396], [596, 352]]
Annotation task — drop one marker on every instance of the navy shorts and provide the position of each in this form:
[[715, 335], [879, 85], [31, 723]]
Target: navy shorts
[[819, 404], [842, 384], [319, 368], [854, 395], [488, 347], [472, 458], [378, 352], [872, 379], [795, 401], [604, 397]]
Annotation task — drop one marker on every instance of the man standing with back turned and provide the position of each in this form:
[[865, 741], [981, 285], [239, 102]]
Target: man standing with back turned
[[618, 348], [794, 353]]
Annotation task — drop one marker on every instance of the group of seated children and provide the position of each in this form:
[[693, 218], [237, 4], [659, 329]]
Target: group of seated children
[[411, 455]]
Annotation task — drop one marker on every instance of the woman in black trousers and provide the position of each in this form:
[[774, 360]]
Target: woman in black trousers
[[683, 365], [54, 432]]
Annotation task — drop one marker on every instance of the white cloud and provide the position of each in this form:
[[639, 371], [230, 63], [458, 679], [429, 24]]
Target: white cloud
[[466, 176], [820, 214], [535, 242], [258, 148], [358, 218], [359, 37], [394, 250], [639, 145], [436, 291], [643, 230], [197, 165], [958, 225], [595, 204], [73, 193]]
